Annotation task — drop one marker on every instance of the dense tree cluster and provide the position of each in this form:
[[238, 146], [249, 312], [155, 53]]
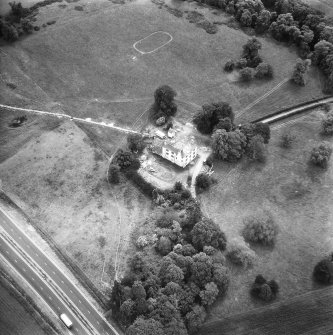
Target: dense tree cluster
[[170, 295], [16, 23], [164, 105], [250, 65], [263, 289], [230, 144], [212, 116], [290, 21]]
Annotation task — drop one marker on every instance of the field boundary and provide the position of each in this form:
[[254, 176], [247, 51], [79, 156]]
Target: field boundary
[[149, 52]]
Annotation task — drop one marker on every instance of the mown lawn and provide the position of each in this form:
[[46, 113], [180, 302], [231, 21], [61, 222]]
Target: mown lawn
[[298, 196]]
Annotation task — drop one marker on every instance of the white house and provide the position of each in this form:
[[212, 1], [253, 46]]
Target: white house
[[181, 157]]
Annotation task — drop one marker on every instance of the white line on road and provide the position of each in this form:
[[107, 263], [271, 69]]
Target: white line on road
[[71, 291], [41, 288], [7, 252], [50, 298], [53, 272], [15, 260], [33, 278], [62, 282]]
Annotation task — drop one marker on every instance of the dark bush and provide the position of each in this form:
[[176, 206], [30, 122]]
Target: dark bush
[[287, 139], [323, 271], [229, 65], [321, 154], [202, 182], [327, 124], [264, 290], [113, 175], [260, 229], [246, 74]]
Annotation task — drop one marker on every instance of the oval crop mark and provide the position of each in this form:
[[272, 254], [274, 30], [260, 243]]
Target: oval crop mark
[[152, 42]]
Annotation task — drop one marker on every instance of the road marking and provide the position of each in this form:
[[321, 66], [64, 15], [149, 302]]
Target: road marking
[[53, 272], [20, 237], [7, 252], [89, 312], [62, 282], [24, 270], [50, 298], [58, 308], [28, 246], [45, 263], [33, 278], [71, 291], [11, 229], [98, 322], [15, 260], [81, 303], [41, 288]]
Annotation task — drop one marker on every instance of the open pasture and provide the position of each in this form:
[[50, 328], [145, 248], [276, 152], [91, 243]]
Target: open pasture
[[298, 196], [85, 64]]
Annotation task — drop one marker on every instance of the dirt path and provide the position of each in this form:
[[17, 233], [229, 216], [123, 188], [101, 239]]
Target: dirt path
[[59, 115]]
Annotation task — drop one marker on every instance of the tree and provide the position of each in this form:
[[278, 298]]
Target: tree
[[202, 182], [327, 124], [263, 70], [138, 290], [241, 63], [300, 71], [263, 289], [135, 142], [263, 130], [241, 254], [173, 274], [201, 269], [228, 146], [256, 149], [207, 233], [251, 48], [260, 229], [164, 104], [210, 116], [246, 74], [321, 154], [27, 26], [221, 277], [263, 21], [195, 319], [113, 175], [287, 139], [209, 294], [145, 327], [9, 33], [164, 245], [246, 18], [229, 65], [323, 271], [127, 311], [225, 123], [124, 159]]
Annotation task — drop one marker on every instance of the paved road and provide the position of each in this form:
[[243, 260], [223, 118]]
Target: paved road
[[87, 319]]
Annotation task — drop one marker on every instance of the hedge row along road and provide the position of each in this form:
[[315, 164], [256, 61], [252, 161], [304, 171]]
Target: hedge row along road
[[58, 291]]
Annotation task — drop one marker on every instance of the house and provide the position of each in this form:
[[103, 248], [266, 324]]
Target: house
[[176, 147], [179, 156]]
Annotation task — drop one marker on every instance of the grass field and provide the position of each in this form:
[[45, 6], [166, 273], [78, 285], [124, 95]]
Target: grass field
[[85, 63], [70, 199], [298, 196], [14, 319], [310, 313]]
